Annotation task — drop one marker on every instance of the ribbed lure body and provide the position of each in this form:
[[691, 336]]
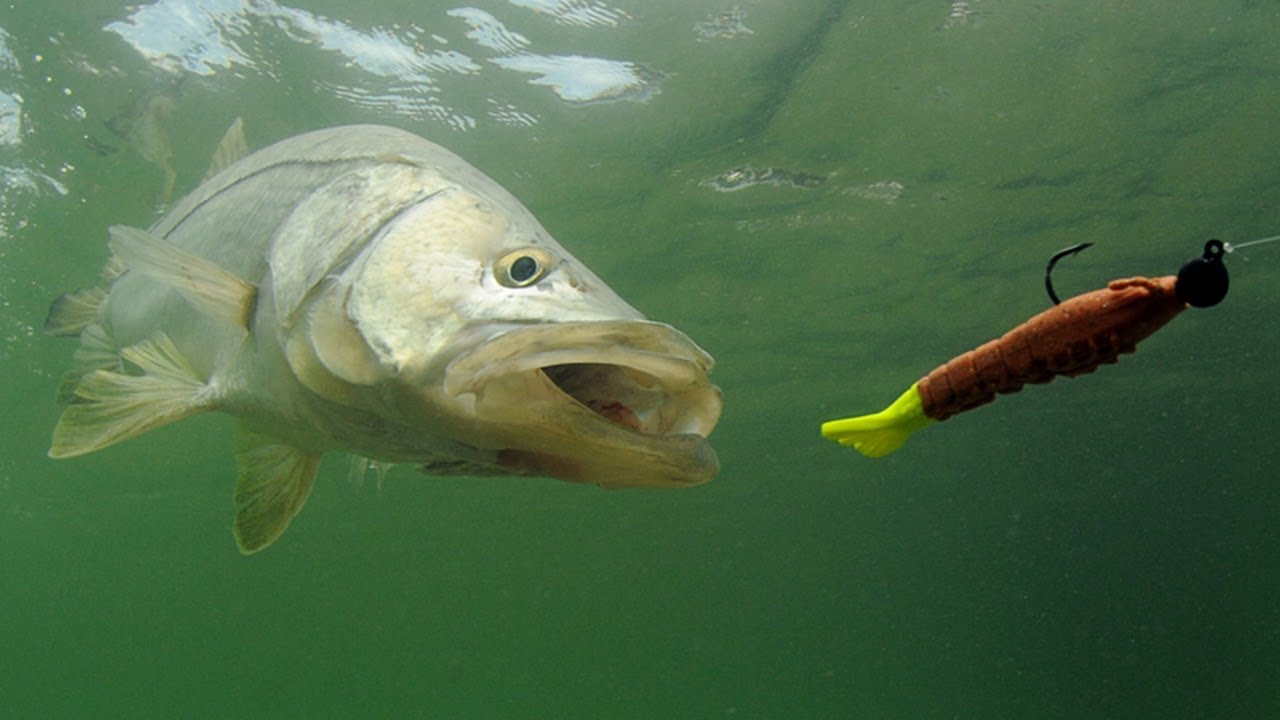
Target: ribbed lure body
[[1071, 338]]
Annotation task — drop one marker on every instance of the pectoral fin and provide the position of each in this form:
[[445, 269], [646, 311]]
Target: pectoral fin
[[338, 342], [273, 485], [327, 352], [109, 405], [206, 285]]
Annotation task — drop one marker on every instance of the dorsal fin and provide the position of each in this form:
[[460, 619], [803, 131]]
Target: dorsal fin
[[74, 311], [230, 149], [205, 284]]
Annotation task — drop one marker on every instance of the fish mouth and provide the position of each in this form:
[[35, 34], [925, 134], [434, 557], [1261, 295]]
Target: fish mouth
[[615, 403]]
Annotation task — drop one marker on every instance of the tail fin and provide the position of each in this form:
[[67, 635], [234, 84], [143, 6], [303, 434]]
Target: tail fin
[[881, 433], [111, 406]]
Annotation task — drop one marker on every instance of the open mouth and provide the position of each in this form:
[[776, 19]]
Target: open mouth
[[641, 376], [618, 403], [625, 396]]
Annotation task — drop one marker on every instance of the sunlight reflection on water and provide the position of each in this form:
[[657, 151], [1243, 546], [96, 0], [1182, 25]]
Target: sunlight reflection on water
[[402, 68]]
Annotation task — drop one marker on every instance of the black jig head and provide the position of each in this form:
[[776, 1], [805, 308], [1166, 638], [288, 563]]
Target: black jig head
[[1203, 281]]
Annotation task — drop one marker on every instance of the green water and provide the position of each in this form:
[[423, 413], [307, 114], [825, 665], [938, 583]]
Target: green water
[[1105, 547]]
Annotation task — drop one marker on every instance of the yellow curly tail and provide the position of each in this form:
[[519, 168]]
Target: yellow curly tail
[[881, 433]]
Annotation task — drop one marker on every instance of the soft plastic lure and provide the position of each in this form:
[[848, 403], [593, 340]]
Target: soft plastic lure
[[1071, 338]]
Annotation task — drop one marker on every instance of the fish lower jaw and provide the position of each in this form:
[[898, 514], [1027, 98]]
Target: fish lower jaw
[[671, 462]]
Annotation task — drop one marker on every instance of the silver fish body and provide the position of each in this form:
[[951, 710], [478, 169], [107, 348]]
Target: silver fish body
[[360, 288]]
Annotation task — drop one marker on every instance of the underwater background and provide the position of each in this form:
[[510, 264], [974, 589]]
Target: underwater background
[[830, 197]]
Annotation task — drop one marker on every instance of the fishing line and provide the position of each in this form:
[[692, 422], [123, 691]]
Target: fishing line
[[1232, 247]]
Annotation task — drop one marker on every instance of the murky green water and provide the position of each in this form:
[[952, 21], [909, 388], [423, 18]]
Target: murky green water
[[1102, 547]]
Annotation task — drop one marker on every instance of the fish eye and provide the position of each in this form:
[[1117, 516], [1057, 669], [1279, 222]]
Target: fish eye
[[522, 268]]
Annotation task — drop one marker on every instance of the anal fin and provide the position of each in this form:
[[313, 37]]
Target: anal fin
[[202, 282], [110, 406], [272, 486]]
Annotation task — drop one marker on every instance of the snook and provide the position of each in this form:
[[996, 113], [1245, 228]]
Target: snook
[[363, 289]]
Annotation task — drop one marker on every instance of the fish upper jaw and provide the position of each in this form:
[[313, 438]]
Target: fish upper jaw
[[621, 403]]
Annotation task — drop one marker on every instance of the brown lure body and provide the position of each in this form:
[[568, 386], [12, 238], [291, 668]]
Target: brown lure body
[[1071, 338]]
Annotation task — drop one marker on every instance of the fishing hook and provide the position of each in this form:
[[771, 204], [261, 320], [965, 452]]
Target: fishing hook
[[1048, 270]]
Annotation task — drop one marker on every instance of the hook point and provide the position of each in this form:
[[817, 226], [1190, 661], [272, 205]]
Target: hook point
[[1048, 270]]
